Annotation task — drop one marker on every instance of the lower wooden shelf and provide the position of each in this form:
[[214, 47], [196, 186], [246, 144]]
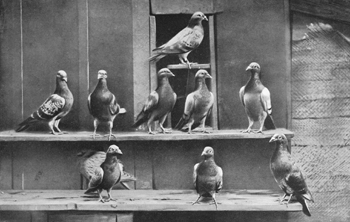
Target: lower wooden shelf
[[142, 200]]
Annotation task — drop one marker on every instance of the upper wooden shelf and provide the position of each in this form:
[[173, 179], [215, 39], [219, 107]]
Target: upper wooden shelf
[[185, 66], [140, 136], [142, 200]]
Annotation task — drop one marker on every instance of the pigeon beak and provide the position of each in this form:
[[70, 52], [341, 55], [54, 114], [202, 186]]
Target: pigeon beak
[[248, 68], [203, 153], [205, 18], [119, 152], [209, 76], [65, 79], [172, 74], [273, 139]]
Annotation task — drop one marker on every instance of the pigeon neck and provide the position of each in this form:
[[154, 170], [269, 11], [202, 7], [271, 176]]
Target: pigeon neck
[[102, 83], [111, 158], [163, 81], [208, 158], [61, 85], [254, 80], [194, 22], [200, 83], [255, 75]]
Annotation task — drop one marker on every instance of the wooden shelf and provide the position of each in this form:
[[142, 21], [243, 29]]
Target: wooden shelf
[[141, 136], [141, 200], [185, 66]]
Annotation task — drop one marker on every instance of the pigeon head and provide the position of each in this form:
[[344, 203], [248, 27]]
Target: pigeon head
[[253, 67], [102, 74], [114, 149], [203, 74], [165, 72], [208, 151], [62, 75], [279, 138], [199, 16]]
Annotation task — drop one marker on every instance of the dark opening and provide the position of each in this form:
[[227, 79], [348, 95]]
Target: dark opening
[[167, 26]]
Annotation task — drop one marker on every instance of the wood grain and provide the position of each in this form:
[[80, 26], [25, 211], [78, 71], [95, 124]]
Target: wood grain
[[141, 136], [139, 200]]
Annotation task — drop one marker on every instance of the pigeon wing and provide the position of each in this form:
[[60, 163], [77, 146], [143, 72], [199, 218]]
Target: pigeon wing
[[219, 180], [195, 175], [241, 95], [95, 180], [50, 108], [266, 100]]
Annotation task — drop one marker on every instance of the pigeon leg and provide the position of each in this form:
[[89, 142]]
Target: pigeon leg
[[249, 129], [190, 127], [58, 129], [281, 199], [109, 198], [203, 126], [95, 128], [100, 196], [214, 201], [51, 125], [110, 131], [161, 122], [261, 121], [290, 197], [197, 201], [149, 126]]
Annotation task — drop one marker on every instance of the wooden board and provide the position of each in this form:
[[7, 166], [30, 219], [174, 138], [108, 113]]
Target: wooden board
[[161, 7], [138, 200], [141, 136]]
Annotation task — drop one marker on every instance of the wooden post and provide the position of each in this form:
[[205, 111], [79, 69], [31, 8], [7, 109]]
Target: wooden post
[[214, 112]]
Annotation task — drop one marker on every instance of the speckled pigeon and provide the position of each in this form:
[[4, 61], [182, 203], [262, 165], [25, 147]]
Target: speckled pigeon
[[54, 108], [159, 103], [256, 100], [107, 175], [287, 174], [89, 160], [198, 104], [103, 105], [207, 176], [183, 42]]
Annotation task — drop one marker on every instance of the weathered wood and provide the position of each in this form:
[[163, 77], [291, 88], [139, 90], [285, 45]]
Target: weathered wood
[[336, 10], [15, 217], [10, 64], [161, 7], [83, 22], [251, 31], [143, 166], [185, 66], [213, 81], [39, 216], [6, 153], [141, 136], [139, 200], [82, 217]]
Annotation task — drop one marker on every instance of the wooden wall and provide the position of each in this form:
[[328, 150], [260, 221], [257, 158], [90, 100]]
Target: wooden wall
[[40, 37]]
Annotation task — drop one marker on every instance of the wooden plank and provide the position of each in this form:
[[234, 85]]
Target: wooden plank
[[143, 200], [83, 25], [6, 165], [142, 136], [335, 10], [53, 167], [15, 217], [44, 53], [110, 48], [185, 66], [10, 64], [39, 216], [213, 83], [161, 7], [125, 217], [288, 38], [83, 217]]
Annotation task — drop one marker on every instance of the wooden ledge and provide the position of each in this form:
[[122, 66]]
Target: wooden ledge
[[185, 66], [141, 136], [141, 200]]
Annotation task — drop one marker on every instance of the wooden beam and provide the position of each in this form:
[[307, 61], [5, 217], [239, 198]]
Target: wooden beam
[[185, 66], [142, 136], [214, 112], [142, 200], [335, 10]]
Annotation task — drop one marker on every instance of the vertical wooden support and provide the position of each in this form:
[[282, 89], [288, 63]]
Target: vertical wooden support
[[140, 13], [152, 44], [288, 40], [214, 112], [83, 24]]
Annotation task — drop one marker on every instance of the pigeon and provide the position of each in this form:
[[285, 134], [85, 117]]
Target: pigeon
[[183, 42], [207, 176], [107, 175], [54, 108], [103, 105], [198, 104], [159, 103], [256, 100], [89, 160], [287, 175]]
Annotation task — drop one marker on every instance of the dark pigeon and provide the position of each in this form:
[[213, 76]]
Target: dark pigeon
[[103, 105], [207, 176], [159, 103], [287, 174]]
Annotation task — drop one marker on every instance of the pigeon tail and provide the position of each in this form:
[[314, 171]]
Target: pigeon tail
[[126, 177], [181, 123], [156, 58], [302, 201], [269, 123], [26, 124], [140, 119], [90, 190]]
